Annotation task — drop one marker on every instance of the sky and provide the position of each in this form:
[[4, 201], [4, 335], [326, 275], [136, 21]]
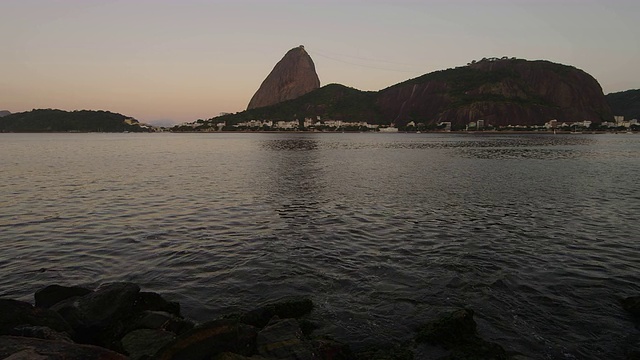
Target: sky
[[167, 62]]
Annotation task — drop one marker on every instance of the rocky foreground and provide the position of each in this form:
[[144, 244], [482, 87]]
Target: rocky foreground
[[118, 321]]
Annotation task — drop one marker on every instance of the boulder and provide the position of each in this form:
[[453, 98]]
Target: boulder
[[99, 317], [162, 321], [155, 302], [40, 332], [329, 349], [22, 348], [457, 332], [283, 339], [232, 356], [632, 305], [53, 294], [285, 308], [211, 339], [450, 330], [14, 313], [145, 342]]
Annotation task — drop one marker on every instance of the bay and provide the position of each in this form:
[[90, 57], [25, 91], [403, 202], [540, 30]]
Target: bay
[[537, 233]]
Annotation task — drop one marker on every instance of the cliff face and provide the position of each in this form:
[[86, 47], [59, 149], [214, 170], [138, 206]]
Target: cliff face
[[292, 77], [499, 91]]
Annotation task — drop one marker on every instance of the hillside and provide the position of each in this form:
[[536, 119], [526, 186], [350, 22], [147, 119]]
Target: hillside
[[500, 91], [625, 103], [51, 120], [4, 113], [333, 101]]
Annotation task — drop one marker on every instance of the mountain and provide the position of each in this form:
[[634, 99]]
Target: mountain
[[333, 101], [51, 120], [293, 76], [625, 103], [501, 91], [4, 113]]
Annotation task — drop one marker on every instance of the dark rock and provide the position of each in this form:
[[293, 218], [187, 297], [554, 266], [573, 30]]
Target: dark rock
[[634, 355], [53, 294], [155, 302], [632, 305], [232, 356], [98, 318], [210, 339], [450, 330], [283, 339], [457, 332], [40, 332], [162, 320], [292, 77], [145, 342], [391, 352], [285, 308], [14, 313], [15, 347], [329, 349]]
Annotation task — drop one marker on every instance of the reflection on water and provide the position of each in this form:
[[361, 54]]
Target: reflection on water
[[383, 231]]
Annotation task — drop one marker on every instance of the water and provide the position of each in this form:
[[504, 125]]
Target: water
[[537, 233]]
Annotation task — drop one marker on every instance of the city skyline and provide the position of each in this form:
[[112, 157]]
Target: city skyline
[[167, 62]]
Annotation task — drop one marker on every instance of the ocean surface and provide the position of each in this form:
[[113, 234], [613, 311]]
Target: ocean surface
[[539, 234]]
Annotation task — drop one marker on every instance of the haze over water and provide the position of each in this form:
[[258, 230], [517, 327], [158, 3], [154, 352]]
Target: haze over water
[[536, 233]]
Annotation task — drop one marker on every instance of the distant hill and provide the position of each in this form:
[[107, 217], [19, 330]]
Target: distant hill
[[4, 113], [625, 103], [51, 120], [500, 91]]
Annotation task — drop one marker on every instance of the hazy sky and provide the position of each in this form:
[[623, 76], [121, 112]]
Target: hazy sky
[[175, 61]]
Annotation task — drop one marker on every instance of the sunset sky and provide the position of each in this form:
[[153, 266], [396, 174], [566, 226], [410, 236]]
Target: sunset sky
[[167, 62]]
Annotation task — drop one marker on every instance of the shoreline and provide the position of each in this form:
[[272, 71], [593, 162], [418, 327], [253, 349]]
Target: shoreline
[[119, 321]]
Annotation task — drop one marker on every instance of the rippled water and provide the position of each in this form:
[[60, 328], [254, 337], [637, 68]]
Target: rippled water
[[538, 234]]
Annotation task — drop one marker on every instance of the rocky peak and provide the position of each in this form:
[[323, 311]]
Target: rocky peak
[[292, 77]]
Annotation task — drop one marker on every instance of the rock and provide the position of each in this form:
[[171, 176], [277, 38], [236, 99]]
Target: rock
[[19, 348], [53, 294], [211, 339], [329, 349], [162, 320], [285, 308], [457, 332], [145, 342], [632, 305], [98, 317], [14, 313], [232, 356], [40, 332], [283, 339], [292, 77], [392, 352], [155, 302], [450, 330]]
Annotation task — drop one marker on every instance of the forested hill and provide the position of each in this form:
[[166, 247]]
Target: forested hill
[[52, 120], [501, 91], [625, 103]]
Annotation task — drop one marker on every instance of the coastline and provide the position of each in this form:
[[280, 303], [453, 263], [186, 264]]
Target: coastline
[[119, 321]]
